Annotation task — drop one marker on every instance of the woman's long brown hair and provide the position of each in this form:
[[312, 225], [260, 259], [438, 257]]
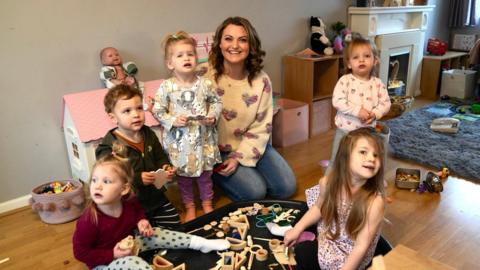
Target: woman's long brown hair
[[338, 183]]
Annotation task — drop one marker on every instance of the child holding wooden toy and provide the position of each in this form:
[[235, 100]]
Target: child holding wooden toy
[[123, 105], [188, 108], [349, 209], [359, 97], [114, 214]]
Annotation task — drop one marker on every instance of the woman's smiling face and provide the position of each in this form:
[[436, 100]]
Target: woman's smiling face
[[234, 44]]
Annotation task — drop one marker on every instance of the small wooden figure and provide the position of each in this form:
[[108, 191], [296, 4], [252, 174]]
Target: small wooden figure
[[160, 263], [228, 261]]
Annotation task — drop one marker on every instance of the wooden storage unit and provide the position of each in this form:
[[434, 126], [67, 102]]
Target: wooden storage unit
[[312, 80], [432, 71]]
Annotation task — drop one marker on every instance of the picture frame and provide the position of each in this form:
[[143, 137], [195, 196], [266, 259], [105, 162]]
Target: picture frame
[[463, 42]]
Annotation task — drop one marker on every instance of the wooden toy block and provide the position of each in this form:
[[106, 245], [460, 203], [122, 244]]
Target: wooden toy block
[[160, 263], [228, 261], [129, 243], [180, 267], [239, 260]]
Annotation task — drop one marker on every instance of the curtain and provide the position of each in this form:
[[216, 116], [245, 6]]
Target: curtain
[[460, 10]]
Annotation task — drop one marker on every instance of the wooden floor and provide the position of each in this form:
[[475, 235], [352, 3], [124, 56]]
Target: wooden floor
[[443, 226]]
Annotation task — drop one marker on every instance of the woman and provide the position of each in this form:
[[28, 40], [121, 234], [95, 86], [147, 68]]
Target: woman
[[251, 168]]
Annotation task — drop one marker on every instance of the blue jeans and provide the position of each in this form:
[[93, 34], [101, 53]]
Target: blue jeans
[[272, 176]]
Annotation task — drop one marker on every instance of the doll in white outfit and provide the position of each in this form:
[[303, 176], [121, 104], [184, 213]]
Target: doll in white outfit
[[115, 72]]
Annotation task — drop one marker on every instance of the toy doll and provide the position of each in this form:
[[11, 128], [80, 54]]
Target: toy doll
[[115, 72]]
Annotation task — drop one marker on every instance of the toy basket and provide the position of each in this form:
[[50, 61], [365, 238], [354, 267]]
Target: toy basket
[[55, 208], [399, 105], [407, 178]]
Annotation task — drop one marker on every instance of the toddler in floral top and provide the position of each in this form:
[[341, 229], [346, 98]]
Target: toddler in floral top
[[188, 108], [359, 97]]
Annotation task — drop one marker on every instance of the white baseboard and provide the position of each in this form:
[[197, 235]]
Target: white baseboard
[[14, 204]]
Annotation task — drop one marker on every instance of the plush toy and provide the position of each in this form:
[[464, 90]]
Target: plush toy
[[346, 35], [115, 72], [338, 45], [342, 36], [319, 40]]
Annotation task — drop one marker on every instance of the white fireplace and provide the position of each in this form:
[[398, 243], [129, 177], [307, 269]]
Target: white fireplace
[[399, 34]]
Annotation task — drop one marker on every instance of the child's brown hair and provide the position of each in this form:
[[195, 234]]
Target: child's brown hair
[[339, 181], [119, 162], [357, 41], [172, 39], [118, 92]]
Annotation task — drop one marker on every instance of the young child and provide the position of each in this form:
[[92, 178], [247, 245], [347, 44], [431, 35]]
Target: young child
[[123, 105], [188, 108], [114, 213], [359, 97], [349, 209]]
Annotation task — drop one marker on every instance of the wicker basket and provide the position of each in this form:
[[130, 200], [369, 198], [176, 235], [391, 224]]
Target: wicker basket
[[407, 178], [399, 105], [58, 207]]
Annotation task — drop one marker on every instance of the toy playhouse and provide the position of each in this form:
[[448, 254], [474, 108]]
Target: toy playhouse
[[204, 44], [85, 123]]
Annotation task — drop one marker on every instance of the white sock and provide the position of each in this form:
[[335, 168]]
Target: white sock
[[277, 230], [207, 245]]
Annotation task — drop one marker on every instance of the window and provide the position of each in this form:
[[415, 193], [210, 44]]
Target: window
[[475, 4]]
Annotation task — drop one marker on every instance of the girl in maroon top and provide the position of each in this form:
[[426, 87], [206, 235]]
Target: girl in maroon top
[[114, 213]]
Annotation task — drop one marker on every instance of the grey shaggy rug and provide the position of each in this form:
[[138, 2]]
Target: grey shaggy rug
[[411, 138]]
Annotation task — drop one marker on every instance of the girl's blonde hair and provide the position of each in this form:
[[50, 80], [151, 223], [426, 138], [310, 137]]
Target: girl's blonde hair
[[338, 183], [357, 41], [171, 39], [118, 92], [117, 159]]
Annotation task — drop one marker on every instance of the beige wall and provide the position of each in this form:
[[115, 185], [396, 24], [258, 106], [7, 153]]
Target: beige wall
[[49, 48], [438, 23]]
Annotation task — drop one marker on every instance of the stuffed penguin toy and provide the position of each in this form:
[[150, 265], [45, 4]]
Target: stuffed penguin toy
[[319, 40]]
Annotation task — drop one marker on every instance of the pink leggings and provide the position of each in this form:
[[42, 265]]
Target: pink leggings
[[204, 183]]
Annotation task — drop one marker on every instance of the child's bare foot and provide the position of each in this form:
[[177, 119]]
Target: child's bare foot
[[207, 206], [189, 212]]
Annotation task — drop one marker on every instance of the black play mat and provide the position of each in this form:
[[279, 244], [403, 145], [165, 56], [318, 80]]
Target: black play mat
[[195, 260]]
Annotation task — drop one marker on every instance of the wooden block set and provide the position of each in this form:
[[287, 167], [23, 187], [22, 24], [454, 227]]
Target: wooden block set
[[243, 250], [237, 225]]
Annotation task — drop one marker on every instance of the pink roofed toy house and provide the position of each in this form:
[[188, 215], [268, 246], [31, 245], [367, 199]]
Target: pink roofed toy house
[[85, 122], [204, 44]]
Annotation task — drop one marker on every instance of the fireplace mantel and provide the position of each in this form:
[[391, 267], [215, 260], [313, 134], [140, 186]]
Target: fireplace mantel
[[373, 21], [395, 31]]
